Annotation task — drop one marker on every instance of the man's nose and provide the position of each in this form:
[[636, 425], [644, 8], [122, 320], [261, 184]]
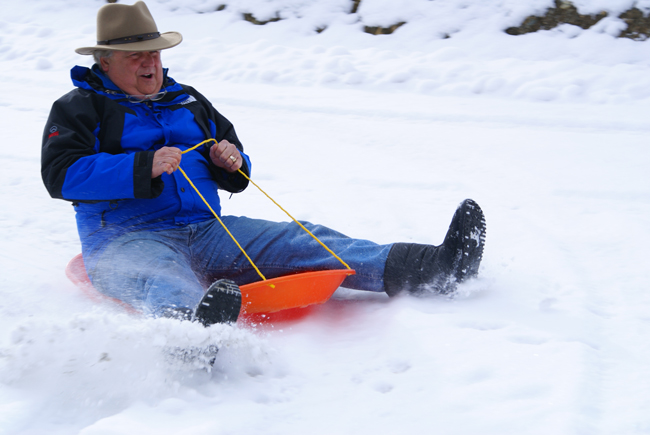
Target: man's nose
[[147, 59]]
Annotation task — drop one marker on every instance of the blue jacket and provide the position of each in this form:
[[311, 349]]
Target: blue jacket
[[98, 151]]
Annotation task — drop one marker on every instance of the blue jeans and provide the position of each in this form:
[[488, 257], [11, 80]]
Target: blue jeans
[[155, 270]]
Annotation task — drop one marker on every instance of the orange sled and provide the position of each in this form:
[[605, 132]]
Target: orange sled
[[259, 299]]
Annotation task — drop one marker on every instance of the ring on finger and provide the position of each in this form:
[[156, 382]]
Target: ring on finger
[[234, 159]]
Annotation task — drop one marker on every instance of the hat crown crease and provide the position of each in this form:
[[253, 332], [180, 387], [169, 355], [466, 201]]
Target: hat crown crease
[[120, 21]]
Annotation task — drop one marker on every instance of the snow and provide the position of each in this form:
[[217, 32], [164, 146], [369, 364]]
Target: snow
[[379, 137]]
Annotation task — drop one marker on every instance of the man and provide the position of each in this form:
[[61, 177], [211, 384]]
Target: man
[[113, 147]]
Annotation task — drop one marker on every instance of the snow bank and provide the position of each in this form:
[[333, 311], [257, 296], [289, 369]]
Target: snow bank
[[474, 60]]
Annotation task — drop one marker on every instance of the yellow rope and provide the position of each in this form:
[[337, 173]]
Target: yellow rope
[[223, 225], [199, 144], [267, 195], [292, 218]]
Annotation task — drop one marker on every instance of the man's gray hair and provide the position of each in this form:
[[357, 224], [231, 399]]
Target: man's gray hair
[[98, 54]]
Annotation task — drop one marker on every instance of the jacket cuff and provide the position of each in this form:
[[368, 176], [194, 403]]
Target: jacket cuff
[[144, 187], [233, 182]]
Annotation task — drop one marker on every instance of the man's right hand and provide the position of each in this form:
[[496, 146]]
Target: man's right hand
[[166, 159]]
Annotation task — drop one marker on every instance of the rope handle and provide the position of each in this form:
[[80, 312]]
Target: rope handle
[[267, 195]]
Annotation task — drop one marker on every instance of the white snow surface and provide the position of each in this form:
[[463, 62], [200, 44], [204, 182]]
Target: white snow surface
[[379, 137]]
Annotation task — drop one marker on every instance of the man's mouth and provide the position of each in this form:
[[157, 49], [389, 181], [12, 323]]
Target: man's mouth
[[147, 76]]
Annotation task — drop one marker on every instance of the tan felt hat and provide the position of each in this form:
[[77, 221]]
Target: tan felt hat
[[129, 28]]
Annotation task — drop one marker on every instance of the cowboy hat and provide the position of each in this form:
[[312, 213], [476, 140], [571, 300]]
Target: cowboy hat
[[129, 28]]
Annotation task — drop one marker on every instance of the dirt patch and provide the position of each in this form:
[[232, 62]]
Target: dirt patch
[[563, 12], [638, 24], [383, 30], [251, 19]]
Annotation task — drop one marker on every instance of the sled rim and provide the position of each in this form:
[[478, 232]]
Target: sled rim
[[76, 273], [292, 291], [272, 295]]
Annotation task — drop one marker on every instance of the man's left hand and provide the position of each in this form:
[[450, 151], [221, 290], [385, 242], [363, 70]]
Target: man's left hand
[[226, 155]]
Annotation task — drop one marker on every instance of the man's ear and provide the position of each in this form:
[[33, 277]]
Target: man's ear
[[104, 62]]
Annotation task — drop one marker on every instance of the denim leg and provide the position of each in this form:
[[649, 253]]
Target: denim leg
[[283, 248], [150, 271]]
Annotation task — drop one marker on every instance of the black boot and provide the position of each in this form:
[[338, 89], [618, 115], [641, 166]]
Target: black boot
[[220, 304], [421, 269]]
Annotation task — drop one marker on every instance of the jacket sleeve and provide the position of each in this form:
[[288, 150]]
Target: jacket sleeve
[[72, 166], [222, 129]]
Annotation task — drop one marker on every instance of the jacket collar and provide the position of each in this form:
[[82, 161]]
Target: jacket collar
[[97, 81]]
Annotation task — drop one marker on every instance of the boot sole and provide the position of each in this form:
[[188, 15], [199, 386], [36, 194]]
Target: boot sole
[[473, 229], [220, 304]]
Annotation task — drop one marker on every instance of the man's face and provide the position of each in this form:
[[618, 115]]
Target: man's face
[[135, 72]]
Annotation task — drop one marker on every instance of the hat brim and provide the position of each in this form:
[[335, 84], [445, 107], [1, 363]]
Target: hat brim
[[166, 40]]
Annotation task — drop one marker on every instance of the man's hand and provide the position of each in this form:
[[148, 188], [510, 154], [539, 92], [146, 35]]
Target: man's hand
[[226, 155], [166, 159]]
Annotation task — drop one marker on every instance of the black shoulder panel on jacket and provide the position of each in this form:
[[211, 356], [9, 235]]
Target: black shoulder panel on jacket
[[68, 136], [112, 118]]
